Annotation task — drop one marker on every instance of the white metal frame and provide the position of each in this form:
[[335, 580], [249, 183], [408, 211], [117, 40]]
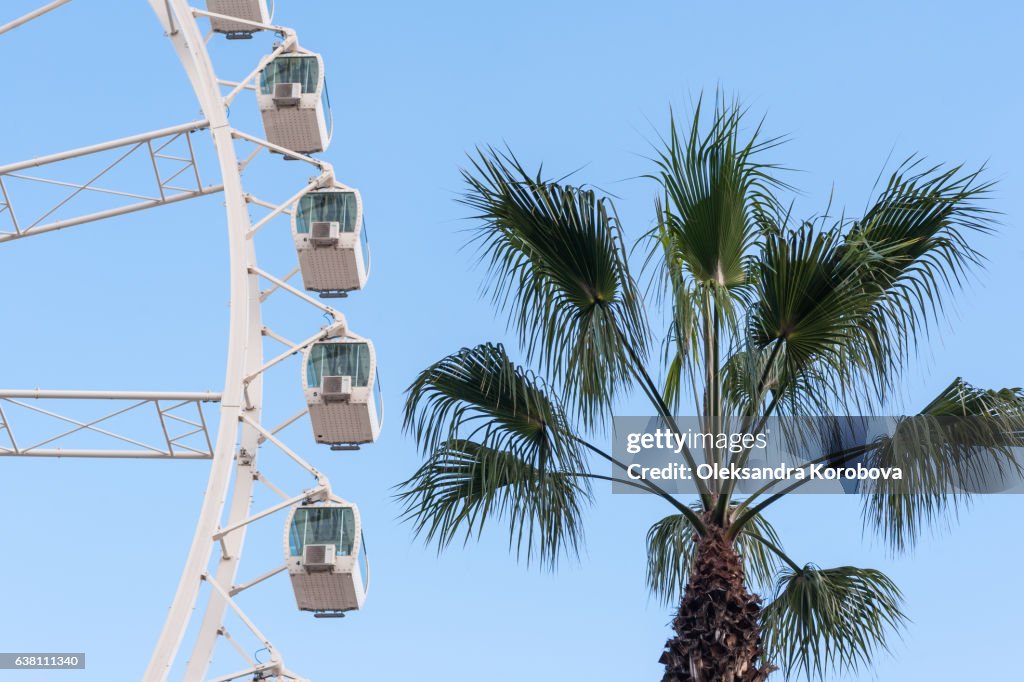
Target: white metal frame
[[233, 451], [154, 143], [175, 428]]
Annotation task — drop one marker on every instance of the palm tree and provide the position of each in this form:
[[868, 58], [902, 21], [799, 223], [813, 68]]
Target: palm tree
[[766, 317]]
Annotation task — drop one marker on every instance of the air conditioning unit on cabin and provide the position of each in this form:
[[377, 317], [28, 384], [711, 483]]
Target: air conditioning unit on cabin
[[287, 94], [336, 389], [318, 558], [324, 233]]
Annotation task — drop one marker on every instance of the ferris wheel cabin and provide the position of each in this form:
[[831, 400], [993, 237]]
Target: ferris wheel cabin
[[291, 101], [248, 10], [322, 548], [327, 227], [338, 380]]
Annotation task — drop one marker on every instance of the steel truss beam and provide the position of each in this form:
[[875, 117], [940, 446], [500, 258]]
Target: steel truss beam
[[154, 145], [175, 427]]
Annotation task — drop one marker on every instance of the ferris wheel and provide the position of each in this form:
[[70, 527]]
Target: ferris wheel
[[323, 551]]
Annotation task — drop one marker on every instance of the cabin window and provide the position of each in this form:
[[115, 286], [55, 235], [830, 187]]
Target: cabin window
[[330, 207], [323, 526], [304, 70], [339, 360]]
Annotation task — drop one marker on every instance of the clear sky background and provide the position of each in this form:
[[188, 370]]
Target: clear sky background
[[93, 549]]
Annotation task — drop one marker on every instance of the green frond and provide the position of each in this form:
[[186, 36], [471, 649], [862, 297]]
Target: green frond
[[464, 484], [912, 247], [714, 194], [559, 266], [833, 619], [498, 444], [715, 190], [479, 394], [851, 301], [964, 441], [746, 374]]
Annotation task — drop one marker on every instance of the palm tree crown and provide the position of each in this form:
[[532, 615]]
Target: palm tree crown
[[767, 316]]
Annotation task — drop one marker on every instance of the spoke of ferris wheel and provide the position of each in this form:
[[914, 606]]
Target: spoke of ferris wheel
[[34, 14], [289, 43], [275, 658], [165, 192], [287, 153], [323, 181], [281, 284]]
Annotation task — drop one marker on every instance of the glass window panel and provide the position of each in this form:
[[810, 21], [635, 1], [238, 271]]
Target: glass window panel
[[304, 70], [331, 207], [339, 360], [323, 526]]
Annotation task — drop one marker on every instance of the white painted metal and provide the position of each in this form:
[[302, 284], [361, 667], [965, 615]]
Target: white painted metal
[[32, 15], [333, 584], [297, 122], [175, 428], [290, 154], [234, 449], [323, 181], [104, 146], [164, 192], [103, 454], [337, 265], [249, 10], [243, 352], [342, 422], [203, 396]]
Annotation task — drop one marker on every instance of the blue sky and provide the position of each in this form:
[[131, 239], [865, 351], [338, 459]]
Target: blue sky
[[94, 548]]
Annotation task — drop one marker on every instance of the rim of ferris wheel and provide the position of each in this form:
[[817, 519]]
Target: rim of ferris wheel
[[292, 101], [327, 227], [323, 549], [339, 381], [227, 12]]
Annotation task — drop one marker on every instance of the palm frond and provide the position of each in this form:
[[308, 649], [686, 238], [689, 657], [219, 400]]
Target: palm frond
[[912, 246], [559, 266], [811, 304], [498, 444], [715, 191], [464, 484], [963, 441], [851, 301], [479, 394], [830, 619], [714, 194]]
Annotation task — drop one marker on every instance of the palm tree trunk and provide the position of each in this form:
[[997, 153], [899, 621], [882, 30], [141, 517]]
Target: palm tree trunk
[[717, 627]]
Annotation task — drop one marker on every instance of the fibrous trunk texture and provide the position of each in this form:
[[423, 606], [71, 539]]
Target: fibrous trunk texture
[[717, 634]]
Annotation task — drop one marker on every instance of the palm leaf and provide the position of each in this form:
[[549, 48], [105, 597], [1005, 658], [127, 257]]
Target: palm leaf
[[716, 191], [810, 302], [849, 302], [912, 246], [716, 195], [559, 267], [464, 484], [830, 619], [964, 439], [479, 394], [497, 443]]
